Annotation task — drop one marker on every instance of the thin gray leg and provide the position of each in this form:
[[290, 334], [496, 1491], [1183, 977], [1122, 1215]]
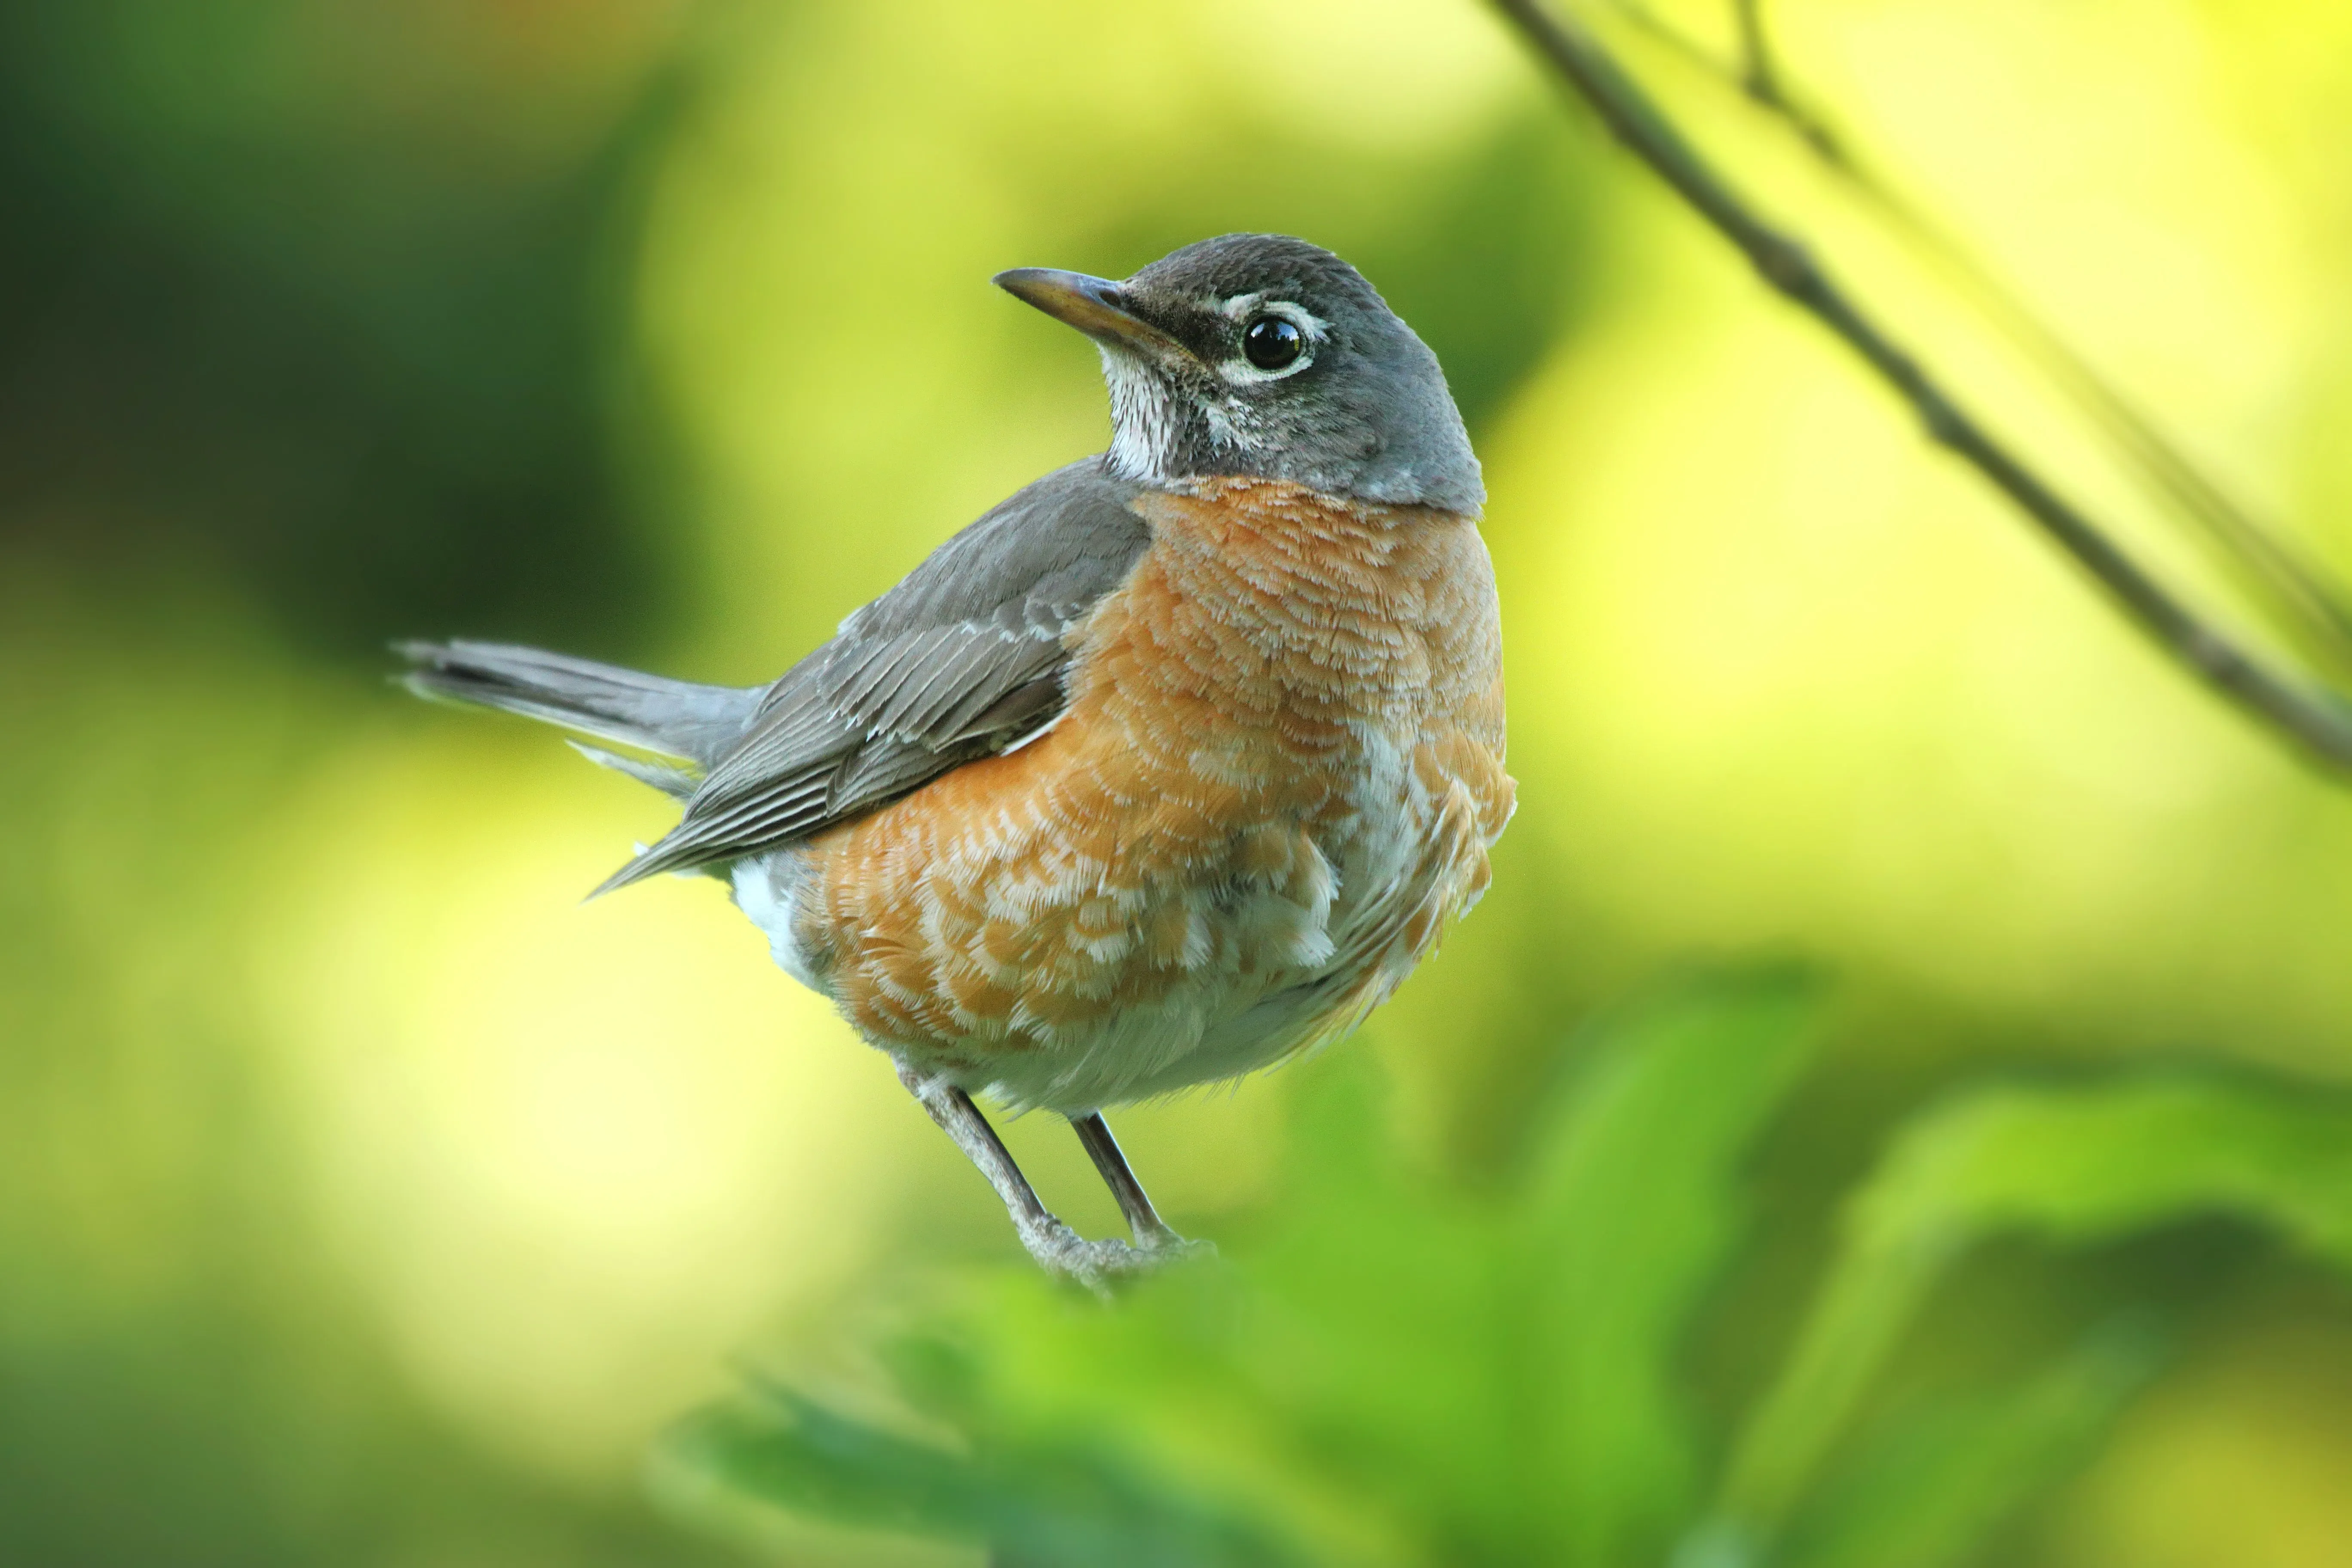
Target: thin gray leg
[[1149, 1229], [1057, 1249]]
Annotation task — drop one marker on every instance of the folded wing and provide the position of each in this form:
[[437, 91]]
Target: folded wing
[[962, 660]]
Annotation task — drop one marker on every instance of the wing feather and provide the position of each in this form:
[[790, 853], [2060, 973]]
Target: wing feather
[[959, 661]]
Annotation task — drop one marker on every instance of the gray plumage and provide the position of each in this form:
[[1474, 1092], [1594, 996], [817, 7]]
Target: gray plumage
[[1250, 356], [1369, 416], [967, 656], [962, 658], [676, 718]]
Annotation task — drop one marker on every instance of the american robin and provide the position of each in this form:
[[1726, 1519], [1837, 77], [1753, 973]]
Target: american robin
[[1168, 768]]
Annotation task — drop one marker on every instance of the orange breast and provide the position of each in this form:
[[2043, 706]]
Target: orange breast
[[1279, 771]]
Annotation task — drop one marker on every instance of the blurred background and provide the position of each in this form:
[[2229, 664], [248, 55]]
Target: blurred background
[[366, 1199]]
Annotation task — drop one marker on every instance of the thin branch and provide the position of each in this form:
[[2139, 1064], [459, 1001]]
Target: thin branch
[[1754, 73], [1761, 78], [2315, 606], [2314, 720]]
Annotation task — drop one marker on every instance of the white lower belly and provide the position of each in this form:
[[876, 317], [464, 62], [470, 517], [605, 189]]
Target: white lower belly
[[1287, 968], [766, 889]]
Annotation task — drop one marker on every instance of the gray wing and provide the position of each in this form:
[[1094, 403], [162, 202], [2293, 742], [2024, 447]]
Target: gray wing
[[959, 661]]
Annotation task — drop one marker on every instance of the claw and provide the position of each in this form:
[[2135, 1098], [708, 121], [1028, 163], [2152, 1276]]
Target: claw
[[1059, 1249], [1100, 1265]]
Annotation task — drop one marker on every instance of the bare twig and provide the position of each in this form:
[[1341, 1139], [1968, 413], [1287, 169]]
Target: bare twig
[[2316, 719], [1758, 72], [2314, 606], [1754, 73]]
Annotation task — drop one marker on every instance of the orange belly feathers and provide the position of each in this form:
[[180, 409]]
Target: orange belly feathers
[[1278, 775]]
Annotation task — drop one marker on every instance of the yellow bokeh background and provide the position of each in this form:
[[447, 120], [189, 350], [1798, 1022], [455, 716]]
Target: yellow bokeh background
[[312, 1050]]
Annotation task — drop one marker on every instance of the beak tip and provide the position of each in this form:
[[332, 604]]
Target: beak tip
[[1095, 306], [1037, 285]]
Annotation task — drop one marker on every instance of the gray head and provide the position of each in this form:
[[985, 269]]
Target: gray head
[[1260, 355]]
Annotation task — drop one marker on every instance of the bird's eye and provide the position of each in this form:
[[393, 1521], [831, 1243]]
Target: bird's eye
[[1271, 342]]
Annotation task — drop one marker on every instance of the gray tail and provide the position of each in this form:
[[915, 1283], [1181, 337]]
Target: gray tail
[[676, 718]]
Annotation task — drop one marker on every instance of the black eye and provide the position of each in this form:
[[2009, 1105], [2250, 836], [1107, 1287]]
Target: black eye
[[1271, 342]]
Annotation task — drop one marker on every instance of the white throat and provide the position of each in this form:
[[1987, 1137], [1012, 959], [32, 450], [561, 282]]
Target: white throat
[[1146, 425], [1143, 420]]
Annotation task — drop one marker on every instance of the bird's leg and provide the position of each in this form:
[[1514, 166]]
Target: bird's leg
[[1150, 1231], [1057, 1249], [960, 1120]]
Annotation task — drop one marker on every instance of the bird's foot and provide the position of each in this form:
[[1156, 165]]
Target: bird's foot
[[1101, 1264]]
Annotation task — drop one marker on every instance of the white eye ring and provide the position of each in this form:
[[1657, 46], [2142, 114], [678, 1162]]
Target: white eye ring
[[1238, 370]]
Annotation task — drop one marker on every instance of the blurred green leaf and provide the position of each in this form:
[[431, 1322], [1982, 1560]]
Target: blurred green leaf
[[1926, 1494], [2068, 1165], [1395, 1370], [1037, 1507], [1398, 1370], [1633, 1207], [1375, 1323]]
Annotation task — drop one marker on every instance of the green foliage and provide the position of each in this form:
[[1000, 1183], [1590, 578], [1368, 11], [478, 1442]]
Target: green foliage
[[1037, 1509], [2071, 1166], [1631, 1212], [1398, 1372], [1928, 1492]]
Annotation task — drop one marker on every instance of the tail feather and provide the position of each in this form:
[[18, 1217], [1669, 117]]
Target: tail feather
[[675, 782], [676, 718]]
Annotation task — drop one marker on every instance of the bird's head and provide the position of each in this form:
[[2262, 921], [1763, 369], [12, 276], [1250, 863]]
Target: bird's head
[[1258, 354]]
